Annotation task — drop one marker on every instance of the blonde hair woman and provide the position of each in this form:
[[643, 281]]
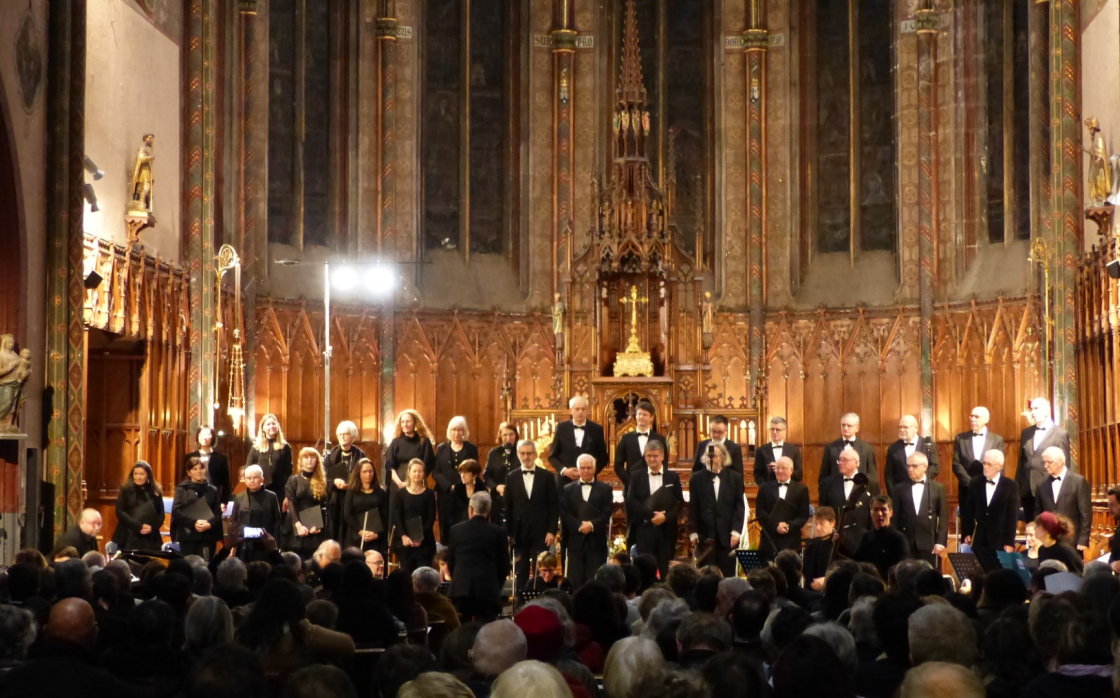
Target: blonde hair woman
[[500, 462], [449, 456], [414, 516], [411, 439], [530, 678], [305, 491], [273, 454]]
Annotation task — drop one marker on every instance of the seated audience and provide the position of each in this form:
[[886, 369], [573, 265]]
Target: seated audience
[[942, 680], [425, 582], [533, 678]]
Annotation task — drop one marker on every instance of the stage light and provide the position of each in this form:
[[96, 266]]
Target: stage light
[[344, 278], [381, 280]]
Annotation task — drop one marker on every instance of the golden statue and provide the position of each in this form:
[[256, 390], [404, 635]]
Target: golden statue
[[1100, 172], [140, 199]]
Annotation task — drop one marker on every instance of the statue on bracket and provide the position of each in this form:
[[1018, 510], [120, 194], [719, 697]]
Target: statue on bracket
[[15, 368], [1100, 170], [139, 215]]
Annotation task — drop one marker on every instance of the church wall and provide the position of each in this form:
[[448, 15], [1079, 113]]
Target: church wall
[[23, 112], [134, 87], [1100, 85]]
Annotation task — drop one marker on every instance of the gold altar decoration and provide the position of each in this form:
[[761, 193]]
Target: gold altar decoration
[[1100, 172], [633, 361], [139, 214]]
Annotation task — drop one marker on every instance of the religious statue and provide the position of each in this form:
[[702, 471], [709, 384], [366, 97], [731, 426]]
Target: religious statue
[[140, 200], [1114, 197], [1100, 171], [15, 368], [557, 315]]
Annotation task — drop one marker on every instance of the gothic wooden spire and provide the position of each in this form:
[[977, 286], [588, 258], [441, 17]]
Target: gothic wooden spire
[[631, 91]]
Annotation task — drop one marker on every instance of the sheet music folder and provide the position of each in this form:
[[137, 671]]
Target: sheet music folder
[[372, 521], [783, 512], [198, 510], [312, 517], [145, 513], [661, 500], [414, 529]]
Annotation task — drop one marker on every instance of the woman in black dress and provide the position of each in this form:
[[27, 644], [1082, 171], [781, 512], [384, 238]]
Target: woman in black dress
[[217, 464], [500, 462], [364, 494], [414, 501], [449, 455], [196, 535], [139, 511], [1053, 530], [469, 483], [306, 490], [411, 440], [339, 465], [274, 455]]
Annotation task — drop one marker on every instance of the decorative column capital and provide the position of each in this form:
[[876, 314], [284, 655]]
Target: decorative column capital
[[564, 40], [927, 21], [386, 28], [249, 7], [756, 40]]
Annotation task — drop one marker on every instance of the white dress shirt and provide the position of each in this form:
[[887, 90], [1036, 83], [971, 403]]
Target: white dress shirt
[[918, 490], [910, 448], [528, 475], [990, 488], [643, 439], [783, 487], [655, 481], [978, 441], [578, 430], [715, 486], [1056, 485], [777, 450], [1040, 434], [848, 485], [585, 488]]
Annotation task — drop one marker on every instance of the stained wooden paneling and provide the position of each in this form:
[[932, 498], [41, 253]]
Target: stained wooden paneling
[[1098, 352]]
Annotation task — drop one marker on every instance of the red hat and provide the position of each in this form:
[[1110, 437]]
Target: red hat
[[543, 632]]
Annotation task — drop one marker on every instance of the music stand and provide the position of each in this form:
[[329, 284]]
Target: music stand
[[752, 559], [989, 559], [965, 565]]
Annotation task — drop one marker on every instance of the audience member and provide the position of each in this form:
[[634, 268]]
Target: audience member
[[401, 664], [425, 582], [942, 680], [809, 667], [531, 678], [319, 681], [434, 684]]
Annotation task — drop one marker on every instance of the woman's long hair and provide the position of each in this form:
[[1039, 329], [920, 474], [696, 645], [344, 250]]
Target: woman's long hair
[[319, 478], [151, 486], [356, 476], [262, 443], [279, 607], [421, 427]]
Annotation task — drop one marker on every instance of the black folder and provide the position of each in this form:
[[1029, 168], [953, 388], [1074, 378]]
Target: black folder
[[661, 500], [145, 513], [198, 510], [312, 517], [783, 512], [414, 529], [587, 512], [372, 521]]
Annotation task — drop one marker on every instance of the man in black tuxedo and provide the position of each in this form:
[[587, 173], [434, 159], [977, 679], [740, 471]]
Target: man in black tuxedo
[[767, 455], [654, 531], [850, 500], [586, 506], [1067, 493], [990, 511], [921, 511], [1034, 440], [969, 450], [479, 562], [572, 439], [717, 430], [717, 508], [629, 455], [849, 428], [781, 532], [532, 509], [900, 451]]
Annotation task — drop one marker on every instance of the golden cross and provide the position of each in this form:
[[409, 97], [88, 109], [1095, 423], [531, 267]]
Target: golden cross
[[634, 300]]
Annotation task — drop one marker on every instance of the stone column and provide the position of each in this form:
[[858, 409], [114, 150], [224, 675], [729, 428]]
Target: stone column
[[563, 157], [756, 40], [252, 135], [1065, 203], [65, 332], [927, 20], [387, 52], [201, 135]]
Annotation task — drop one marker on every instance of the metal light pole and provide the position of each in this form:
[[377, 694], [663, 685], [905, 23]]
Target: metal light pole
[[326, 357]]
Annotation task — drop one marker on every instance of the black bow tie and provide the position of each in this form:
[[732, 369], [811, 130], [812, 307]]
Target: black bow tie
[[1041, 428], [911, 444], [849, 479], [990, 482], [1055, 479], [529, 472], [979, 433], [643, 433], [587, 484], [918, 482], [848, 444], [783, 484], [653, 474]]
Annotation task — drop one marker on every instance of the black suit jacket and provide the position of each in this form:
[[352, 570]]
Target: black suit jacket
[[1075, 502], [797, 494], [966, 464], [929, 525], [896, 471], [1031, 471], [529, 520], [733, 448], [638, 514], [564, 452], [478, 558], [764, 456], [832, 457], [715, 519], [217, 472], [991, 525], [628, 458], [853, 514], [597, 509]]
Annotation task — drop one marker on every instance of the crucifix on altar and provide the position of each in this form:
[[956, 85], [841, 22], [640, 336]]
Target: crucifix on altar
[[633, 361]]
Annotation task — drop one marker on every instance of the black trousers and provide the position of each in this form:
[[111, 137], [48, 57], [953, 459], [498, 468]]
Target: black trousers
[[651, 540], [523, 557], [470, 608], [582, 565], [724, 558]]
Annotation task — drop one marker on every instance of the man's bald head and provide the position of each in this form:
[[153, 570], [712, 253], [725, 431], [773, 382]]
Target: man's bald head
[[498, 646], [90, 522], [72, 621]]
